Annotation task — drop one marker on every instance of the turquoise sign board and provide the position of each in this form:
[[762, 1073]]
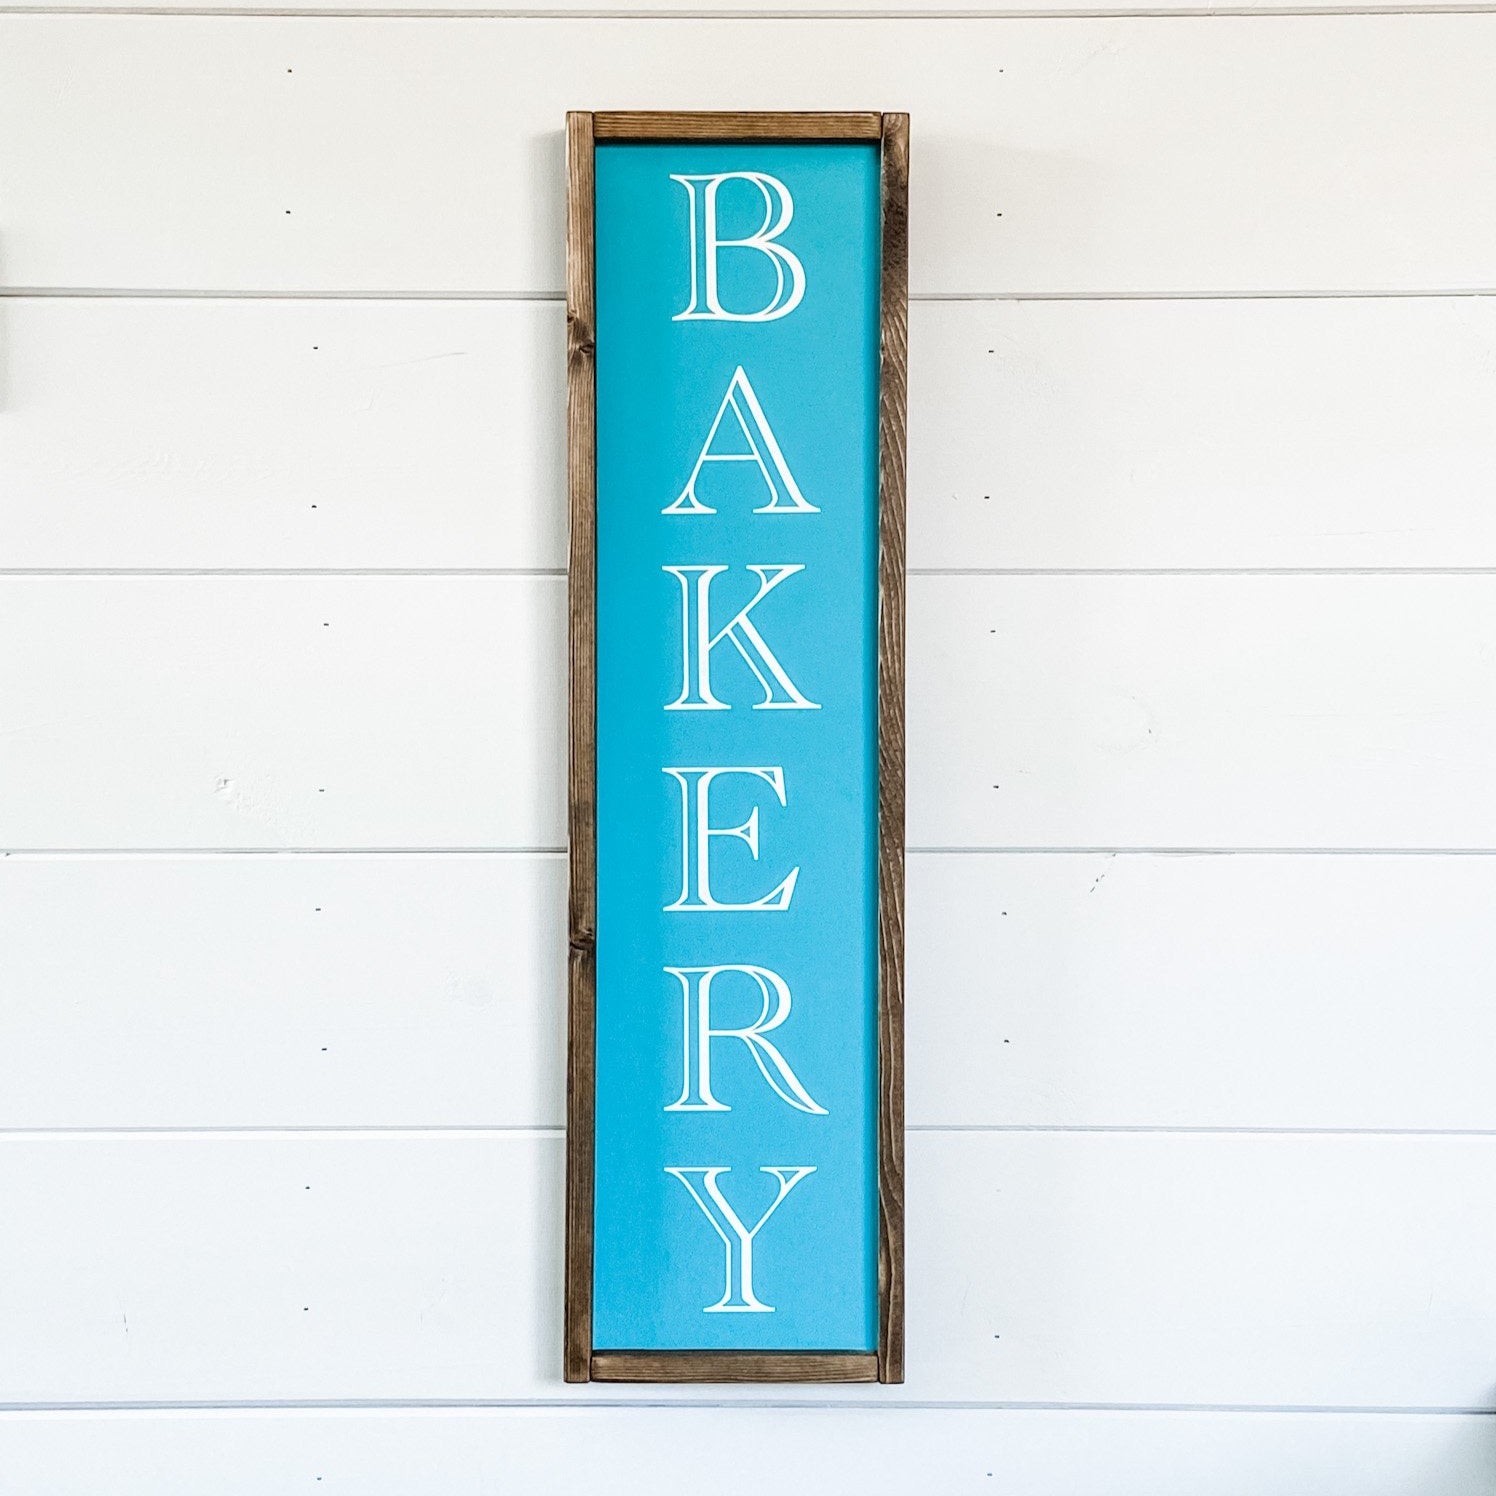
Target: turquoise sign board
[[735, 1153]]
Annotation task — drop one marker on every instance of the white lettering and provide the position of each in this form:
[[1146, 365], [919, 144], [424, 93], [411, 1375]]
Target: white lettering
[[763, 449], [738, 1296], [697, 833], [706, 244], [698, 641], [696, 989]]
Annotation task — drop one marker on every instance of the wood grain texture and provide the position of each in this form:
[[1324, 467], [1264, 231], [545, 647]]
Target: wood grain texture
[[888, 1363], [687, 125], [733, 1366], [892, 529], [581, 447]]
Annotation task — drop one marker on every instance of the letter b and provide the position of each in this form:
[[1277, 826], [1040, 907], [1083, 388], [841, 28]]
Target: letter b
[[706, 244]]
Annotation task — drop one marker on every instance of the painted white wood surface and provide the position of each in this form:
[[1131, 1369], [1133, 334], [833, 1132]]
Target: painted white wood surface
[[1059, 990], [1217, 991], [308, 991], [1138, 154], [1043, 1268], [396, 434], [1246, 433], [1044, 711], [322, 712], [1259, 711], [634, 1451], [192, 433], [922, 11]]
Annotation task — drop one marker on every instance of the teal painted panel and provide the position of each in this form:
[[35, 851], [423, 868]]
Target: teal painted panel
[[737, 387]]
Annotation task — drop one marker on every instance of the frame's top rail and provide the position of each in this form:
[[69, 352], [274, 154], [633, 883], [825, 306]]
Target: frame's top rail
[[625, 124]]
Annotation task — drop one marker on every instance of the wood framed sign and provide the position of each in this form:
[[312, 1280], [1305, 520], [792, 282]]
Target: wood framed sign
[[737, 311]]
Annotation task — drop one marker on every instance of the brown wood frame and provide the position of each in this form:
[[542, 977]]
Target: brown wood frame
[[581, 1362]]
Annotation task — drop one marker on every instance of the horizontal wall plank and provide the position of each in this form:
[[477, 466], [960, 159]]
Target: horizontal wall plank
[[199, 433], [1070, 1268], [367, 154], [1297, 992], [227, 712], [282, 991], [369, 712], [633, 1451], [1207, 711], [1248, 433], [923, 11], [284, 434], [1051, 991]]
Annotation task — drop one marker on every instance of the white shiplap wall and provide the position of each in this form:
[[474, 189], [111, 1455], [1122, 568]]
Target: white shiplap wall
[[1202, 817]]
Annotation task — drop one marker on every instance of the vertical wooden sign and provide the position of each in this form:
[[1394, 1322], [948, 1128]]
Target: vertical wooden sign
[[737, 313]]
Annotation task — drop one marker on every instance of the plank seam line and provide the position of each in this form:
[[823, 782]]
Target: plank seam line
[[479, 1133], [101, 293], [1118, 851], [22, 853], [453, 1132], [17, 1410], [180, 572], [1185, 13], [1202, 571], [1175, 1130], [548, 573], [273, 852], [205, 852]]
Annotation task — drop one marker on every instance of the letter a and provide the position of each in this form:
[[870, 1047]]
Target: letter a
[[696, 1091], [738, 1296], [763, 449]]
